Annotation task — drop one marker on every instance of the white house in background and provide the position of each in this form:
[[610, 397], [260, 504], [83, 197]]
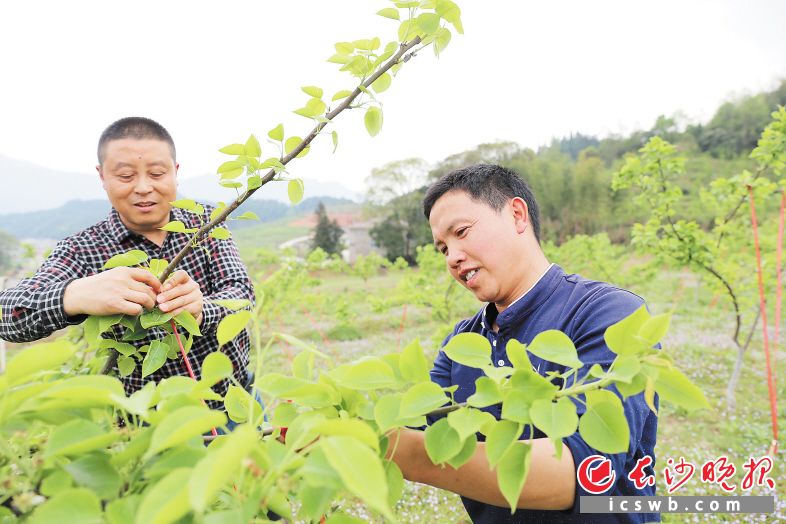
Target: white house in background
[[356, 238]]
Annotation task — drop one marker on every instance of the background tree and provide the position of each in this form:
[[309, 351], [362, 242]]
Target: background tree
[[9, 246], [327, 233]]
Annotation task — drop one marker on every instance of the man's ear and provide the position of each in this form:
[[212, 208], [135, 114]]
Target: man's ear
[[101, 176], [520, 214]]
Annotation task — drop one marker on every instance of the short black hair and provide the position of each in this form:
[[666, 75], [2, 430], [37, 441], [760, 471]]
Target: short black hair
[[488, 183], [138, 128]]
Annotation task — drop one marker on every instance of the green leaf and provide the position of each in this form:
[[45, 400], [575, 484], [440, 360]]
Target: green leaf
[[35, 359], [295, 190], [176, 226], [442, 441], [217, 211], [469, 349], [624, 368], [53, 484], [298, 390], [555, 346], [451, 13], [237, 401], [233, 149], [382, 83], [231, 326], [125, 365], [157, 266], [253, 149], [422, 398], [230, 184], [248, 215], [341, 94], [395, 482], [95, 473], [167, 500], [219, 467], [220, 233], [356, 429], [386, 411], [360, 469], [231, 303], [187, 320], [389, 12], [441, 40], [673, 386], [654, 328], [373, 120], [413, 364], [500, 439], [515, 407], [466, 421], [512, 471], [188, 205], [183, 424], [277, 133], [155, 358], [428, 22], [334, 136], [122, 511], [216, 367], [487, 393], [313, 108], [75, 506], [154, 317], [231, 169], [622, 337], [369, 373], [313, 91], [76, 437], [517, 354], [291, 143], [532, 385], [466, 453], [603, 426], [555, 419], [128, 259]]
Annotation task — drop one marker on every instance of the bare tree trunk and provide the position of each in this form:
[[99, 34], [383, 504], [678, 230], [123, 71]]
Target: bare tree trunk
[[731, 400]]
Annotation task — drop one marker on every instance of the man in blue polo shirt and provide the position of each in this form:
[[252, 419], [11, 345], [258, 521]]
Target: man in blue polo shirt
[[485, 220]]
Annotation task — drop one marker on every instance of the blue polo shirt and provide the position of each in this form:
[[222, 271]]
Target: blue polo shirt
[[582, 309]]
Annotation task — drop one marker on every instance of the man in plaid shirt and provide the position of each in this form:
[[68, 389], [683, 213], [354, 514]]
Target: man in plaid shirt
[[137, 167]]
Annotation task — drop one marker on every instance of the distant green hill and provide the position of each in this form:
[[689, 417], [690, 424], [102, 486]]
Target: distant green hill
[[78, 214]]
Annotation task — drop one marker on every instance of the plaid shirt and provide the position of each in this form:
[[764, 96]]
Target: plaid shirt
[[34, 308]]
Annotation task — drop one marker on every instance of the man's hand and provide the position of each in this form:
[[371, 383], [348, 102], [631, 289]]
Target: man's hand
[[123, 290], [181, 293]]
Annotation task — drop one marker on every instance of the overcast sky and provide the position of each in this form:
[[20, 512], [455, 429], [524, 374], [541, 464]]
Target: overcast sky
[[213, 73]]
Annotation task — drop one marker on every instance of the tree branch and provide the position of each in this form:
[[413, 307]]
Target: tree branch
[[400, 56]]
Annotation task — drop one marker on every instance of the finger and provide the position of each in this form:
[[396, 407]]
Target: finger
[[178, 291], [178, 277], [143, 288], [179, 302], [125, 307], [137, 297], [145, 276]]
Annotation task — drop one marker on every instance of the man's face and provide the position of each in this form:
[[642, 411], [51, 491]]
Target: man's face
[[481, 246], [140, 179]]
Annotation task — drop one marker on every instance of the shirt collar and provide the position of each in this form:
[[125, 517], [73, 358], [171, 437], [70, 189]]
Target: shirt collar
[[118, 230], [528, 301]]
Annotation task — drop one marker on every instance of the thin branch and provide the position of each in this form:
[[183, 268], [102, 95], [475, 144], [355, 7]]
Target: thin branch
[[402, 55]]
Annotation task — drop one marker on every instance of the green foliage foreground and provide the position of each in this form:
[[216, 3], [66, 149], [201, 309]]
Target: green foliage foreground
[[76, 448]]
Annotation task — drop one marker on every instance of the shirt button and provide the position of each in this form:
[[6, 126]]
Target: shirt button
[[493, 342], [501, 362]]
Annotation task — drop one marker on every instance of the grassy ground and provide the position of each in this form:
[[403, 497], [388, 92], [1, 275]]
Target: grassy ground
[[699, 340]]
